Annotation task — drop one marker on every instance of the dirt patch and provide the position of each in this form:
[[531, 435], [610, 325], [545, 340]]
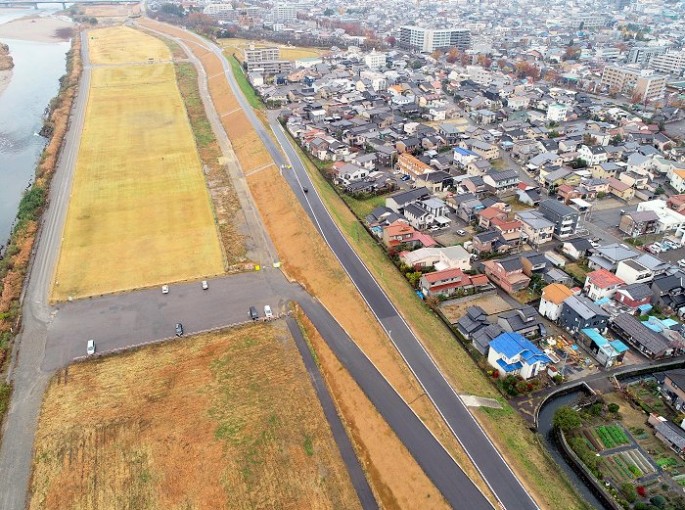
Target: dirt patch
[[396, 479], [216, 421], [492, 304]]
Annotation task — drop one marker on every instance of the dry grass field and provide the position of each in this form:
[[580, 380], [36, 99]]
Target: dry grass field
[[213, 422], [235, 46], [140, 213], [123, 45]]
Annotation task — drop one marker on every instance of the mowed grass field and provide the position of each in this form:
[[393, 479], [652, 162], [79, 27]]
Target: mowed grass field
[[224, 420], [140, 213], [123, 45]]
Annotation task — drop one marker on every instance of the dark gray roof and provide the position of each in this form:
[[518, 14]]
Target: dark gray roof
[[511, 263], [557, 207], [674, 434], [411, 195], [677, 377], [584, 307], [641, 334], [484, 336], [637, 290]]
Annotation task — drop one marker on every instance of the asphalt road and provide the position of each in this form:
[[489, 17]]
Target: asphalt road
[[494, 469]]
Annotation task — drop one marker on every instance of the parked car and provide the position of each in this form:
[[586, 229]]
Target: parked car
[[405, 177], [179, 329], [681, 263], [165, 289], [267, 312], [653, 248], [461, 233], [253, 313], [205, 285], [593, 243], [90, 348]]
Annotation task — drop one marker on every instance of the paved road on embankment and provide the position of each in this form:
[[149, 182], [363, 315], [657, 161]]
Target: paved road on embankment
[[487, 459]]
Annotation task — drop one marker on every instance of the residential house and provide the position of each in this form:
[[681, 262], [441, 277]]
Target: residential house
[[669, 292], [678, 180], [620, 189], [607, 257], [490, 241], [524, 321], [418, 216], [576, 248], [607, 352], [474, 326], [510, 229], [450, 282], [485, 216], [513, 354], [479, 166], [631, 271], [535, 228], [450, 257], [634, 296], [552, 299], [579, 312], [347, 172], [565, 218], [411, 166], [670, 434], [489, 151], [606, 170], [434, 181], [467, 206], [639, 223], [500, 182], [462, 157], [593, 154], [601, 284], [673, 388], [399, 233], [399, 201], [648, 342], [534, 263], [507, 274]]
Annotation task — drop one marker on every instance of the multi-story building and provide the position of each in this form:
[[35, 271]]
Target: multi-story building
[[375, 60], [565, 218], [671, 62], [643, 54], [644, 83], [431, 39], [253, 54], [412, 167], [536, 229], [286, 12], [589, 21], [224, 12]]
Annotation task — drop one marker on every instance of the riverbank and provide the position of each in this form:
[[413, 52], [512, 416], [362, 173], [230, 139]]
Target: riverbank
[[38, 29], [14, 265], [6, 65]]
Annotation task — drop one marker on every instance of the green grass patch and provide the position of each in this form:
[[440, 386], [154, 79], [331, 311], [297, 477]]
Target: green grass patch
[[308, 445], [5, 394], [244, 85], [186, 76], [362, 207]]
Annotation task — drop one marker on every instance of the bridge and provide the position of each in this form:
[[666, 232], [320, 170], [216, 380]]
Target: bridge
[[63, 3]]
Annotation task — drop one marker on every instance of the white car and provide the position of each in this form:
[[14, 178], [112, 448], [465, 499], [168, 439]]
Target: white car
[[90, 348], [165, 289], [268, 313], [681, 263], [461, 233], [205, 285]]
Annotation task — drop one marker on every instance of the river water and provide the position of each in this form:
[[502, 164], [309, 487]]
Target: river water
[[35, 81]]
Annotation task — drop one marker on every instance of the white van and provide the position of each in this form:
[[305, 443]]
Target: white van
[[90, 348], [267, 312]]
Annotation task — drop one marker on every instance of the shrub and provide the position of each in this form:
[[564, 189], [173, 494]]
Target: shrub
[[629, 492], [613, 408], [658, 501], [566, 419]]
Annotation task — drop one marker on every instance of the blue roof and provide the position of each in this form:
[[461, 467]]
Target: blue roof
[[510, 345], [619, 346], [653, 326], [509, 367], [464, 152]]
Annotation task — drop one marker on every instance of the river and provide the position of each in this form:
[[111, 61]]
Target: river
[[35, 81]]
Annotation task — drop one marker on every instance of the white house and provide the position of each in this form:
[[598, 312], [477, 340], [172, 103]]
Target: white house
[[631, 271], [513, 354], [557, 112], [601, 283], [552, 298], [678, 180], [452, 257]]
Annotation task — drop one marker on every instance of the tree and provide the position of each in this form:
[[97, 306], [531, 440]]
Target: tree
[[566, 419], [553, 134], [613, 408], [414, 277], [391, 40], [616, 139], [453, 55], [578, 163], [658, 501], [629, 492], [328, 12]]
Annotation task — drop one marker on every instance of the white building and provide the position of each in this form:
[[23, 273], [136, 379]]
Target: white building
[[452, 257], [431, 39], [645, 83], [557, 112], [552, 299], [669, 220], [375, 60], [631, 271]]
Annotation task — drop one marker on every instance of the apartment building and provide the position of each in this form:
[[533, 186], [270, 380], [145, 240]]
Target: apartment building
[[286, 12], [375, 60], [263, 54], [411, 166], [565, 218], [671, 62], [643, 54], [431, 39], [633, 80]]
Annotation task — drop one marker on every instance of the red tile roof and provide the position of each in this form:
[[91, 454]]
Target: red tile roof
[[604, 279]]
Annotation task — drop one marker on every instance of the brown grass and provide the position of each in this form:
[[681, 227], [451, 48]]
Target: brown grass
[[492, 304], [397, 480], [306, 258], [212, 422]]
